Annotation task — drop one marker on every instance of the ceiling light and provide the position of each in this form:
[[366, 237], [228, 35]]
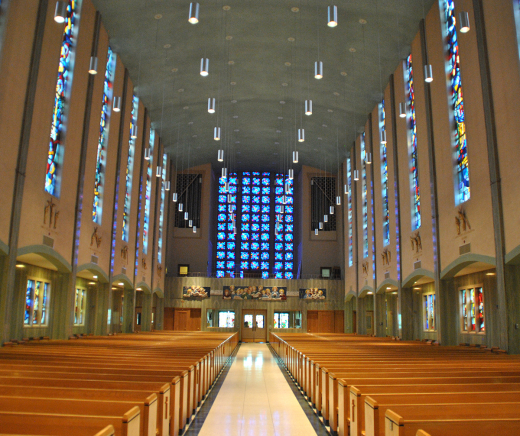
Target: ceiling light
[[291, 174], [92, 69], [194, 13], [301, 135], [320, 225], [308, 107], [417, 289], [224, 173], [133, 134], [318, 70], [20, 265], [402, 110], [316, 231], [388, 288], [331, 210], [120, 284], [158, 171], [333, 16], [147, 153], [190, 223], [383, 136], [186, 216], [194, 229], [94, 277], [338, 200], [356, 175], [325, 218], [181, 207], [216, 133], [211, 105], [368, 158], [369, 293], [428, 73], [91, 283], [204, 69], [295, 156], [345, 189], [60, 13], [464, 22], [220, 156], [175, 197], [167, 185], [488, 273], [116, 104]]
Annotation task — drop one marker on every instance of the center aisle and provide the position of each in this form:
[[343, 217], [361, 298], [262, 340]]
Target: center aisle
[[256, 400]]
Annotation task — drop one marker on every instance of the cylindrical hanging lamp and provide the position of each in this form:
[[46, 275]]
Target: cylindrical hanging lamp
[[325, 218], [368, 158], [332, 16], [186, 216], [308, 107], [158, 172], [147, 153], [464, 22], [229, 198], [220, 156], [167, 185], [318, 70], [331, 210], [181, 207], [301, 135], [338, 199], [226, 186], [211, 105], [60, 13], [428, 73], [194, 229], [291, 174], [295, 156], [194, 13], [383, 136], [190, 223], [216, 133], [402, 110], [356, 175], [204, 67], [175, 197], [116, 104], [321, 225], [224, 173], [282, 209], [284, 199], [316, 231], [92, 69], [345, 189], [133, 134]]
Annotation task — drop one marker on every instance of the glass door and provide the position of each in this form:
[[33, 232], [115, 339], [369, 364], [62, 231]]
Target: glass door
[[248, 326]]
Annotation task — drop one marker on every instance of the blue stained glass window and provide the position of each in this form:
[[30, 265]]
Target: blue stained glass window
[[255, 218], [264, 265], [230, 227], [265, 218], [265, 227], [222, 198], [278, 275], [222, 208], [255, 255], [148, 191], [288, 266], [231, 255], [231, 246], [278, 265], [289, 247], [289, 237], [246, 181], [230, 265], [244, 255], [245, 217], [231, 237], [221, 254], [364, 196], [220, 273], [279, 190], [265, 190], [246, 199], [264, 246], [265, 200], [221, 245], [265, 256], [289, 218], [255, 199], [221, 264], [279, 237], [221, 190], [227, 218], [244, 265], [350, 214], [255, 265], [289, 275], [457, 105], [265, 209], [245, 227], [255, 246], [245, 246], [255, 237], [384, 178], [289, 228], [221, 226], [412, 147], [289, 256], [246, 190], [255, 190], [265, 236], [255, 227], [221, 236], [61, 97], [265, 274], [255, 208], [221, 217], [278, 255], [245, 236]]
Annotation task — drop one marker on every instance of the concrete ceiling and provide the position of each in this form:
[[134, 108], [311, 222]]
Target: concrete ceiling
[[261, 53]]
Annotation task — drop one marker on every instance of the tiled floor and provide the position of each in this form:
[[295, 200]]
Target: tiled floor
[[255, 399]]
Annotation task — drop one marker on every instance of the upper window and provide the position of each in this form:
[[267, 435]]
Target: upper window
[[364, 195], [384, 177], [472, 310], [36, 303], [350, 214]]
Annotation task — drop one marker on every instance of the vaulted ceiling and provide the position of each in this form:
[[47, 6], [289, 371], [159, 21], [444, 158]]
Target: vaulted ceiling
[[261, 70]]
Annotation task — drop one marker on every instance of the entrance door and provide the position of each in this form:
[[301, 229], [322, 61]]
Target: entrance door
[[254, 325], [370, 322]]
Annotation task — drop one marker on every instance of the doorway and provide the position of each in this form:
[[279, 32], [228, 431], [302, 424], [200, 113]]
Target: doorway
[[254, 325]]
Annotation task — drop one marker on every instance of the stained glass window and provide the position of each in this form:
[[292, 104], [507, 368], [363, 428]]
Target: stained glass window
[[516, 7], [161, 211], [462, 192], [472, 310], [130, 170], [61, 98], [80, 303], [350, 214], [412, 147], [284, 227], [148, 191], [97, 207], [429, 311], [364, 195], [36, 303], [384, 177], [226, 217]]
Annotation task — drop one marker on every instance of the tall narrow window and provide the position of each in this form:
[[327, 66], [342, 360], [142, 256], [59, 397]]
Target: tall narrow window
[[384, 177], [130, 170], [412, 147], [80, 304], [350, 215], [99, 185], [284, 227], [516, 7], [472, 310], [61, 100], [429, 312], [364, 195], [460, 151], [161, 211], [36, 303], [226, 237], [148, 191]]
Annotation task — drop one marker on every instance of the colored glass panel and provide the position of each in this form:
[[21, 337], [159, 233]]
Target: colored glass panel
[[350, 214], [104, 125], [130, 170], [148, 191], [462, 191], [161, 211], [227, 249], [384, 178], [412, 147], [364, 195], [61, 98]]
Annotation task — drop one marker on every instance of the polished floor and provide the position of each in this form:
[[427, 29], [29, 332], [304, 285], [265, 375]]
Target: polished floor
[[256, 399]]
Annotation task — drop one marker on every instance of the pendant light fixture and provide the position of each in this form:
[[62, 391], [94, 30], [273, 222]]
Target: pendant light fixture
[[368, 158], [318, 70], [325, 218], [92, 69], [345, 189], [320, 225], [211, 105], [181, 207], [428, 73], [295, 156], [338, 200], [464, 22], [147, 153], [158, 172], [186, 216], [383, 136], [226, 186], [220, 156], [194, 229], [332, 16], [356, 175], [331, 210], [60, 13], [216, 133], [402, 110], [175, 197], [194, 13], [291, 174], [301, 135], [308, 107], [204, 67], [224, 173], [116, 104], [316, 231], [190, 223], [167, 185], [282, 209], [229, 198], [133, 134]]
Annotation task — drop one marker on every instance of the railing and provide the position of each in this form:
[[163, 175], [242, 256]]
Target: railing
[[255, 276]]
